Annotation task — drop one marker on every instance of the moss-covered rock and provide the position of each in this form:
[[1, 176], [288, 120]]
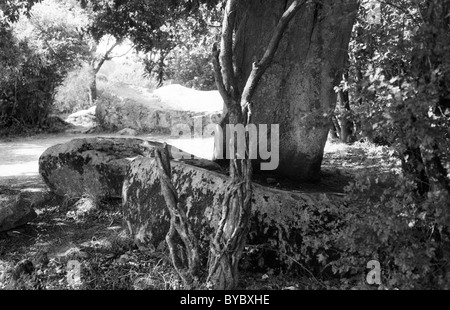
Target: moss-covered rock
[[97, 166], [15, 209], [92, 166], [279, 217]]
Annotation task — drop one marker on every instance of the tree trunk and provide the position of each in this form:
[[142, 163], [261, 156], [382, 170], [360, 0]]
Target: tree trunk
[[95, 68], [297, 91], [346, 124], [413, 166], [335, 129], [228, 243], [93, 87]]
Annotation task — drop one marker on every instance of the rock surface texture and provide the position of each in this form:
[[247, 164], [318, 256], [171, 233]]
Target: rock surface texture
[[97, 167], [15, 209], [138, 109], [84, 118], [93, 166], [279, 217]]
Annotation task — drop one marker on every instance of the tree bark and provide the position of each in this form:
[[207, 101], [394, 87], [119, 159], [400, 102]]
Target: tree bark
[[297, 91], [180, 227], [346, 124], [92, 86], [228, 243]]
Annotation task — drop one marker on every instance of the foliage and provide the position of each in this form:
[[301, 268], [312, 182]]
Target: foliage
[[190, 63], [73, 94], [132, 71], [175, 36], [10, 11], [26, 91], [137, 19], [37, 53], [186, 56], [192, 69], [379, 219], [398, 74], [399, 85], [408, 237]]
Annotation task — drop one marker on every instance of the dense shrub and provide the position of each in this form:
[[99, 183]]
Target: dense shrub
[[132, 72], [73, 94], [37, 53], [382, 219], [399, 74], [27, 87], [192, 69], [409, 237]]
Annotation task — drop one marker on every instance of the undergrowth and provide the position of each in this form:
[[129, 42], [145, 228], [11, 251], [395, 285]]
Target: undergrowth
[[380, 219]]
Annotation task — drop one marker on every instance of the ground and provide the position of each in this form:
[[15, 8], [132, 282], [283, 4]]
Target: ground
[[92, 232]]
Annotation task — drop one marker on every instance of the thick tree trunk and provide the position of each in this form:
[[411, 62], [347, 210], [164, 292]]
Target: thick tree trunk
[[230, 238], [297, 91]]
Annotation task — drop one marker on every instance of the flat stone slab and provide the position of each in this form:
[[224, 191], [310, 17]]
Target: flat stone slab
[[279, 217], [97, 167]]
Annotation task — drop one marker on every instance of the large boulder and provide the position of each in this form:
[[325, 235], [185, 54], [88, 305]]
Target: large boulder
[[279, 217], [91, 166], [95, 166], [138, 109], [15, 209]]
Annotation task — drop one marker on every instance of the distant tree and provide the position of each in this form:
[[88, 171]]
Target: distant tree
[[45, 46], [185, 54], [155, 27], [97, 60]]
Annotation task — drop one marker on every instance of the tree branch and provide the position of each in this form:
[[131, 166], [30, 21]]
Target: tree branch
[[219, 77], [226, 48], [106, 56], [116, 56], [179, 223]]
